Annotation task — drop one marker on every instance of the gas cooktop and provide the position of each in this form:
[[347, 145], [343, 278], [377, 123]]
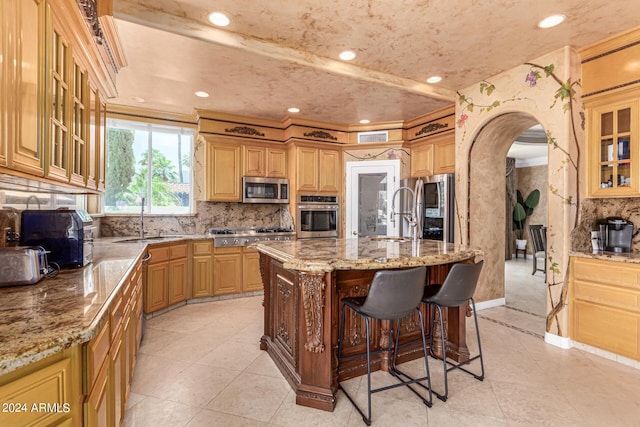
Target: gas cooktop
[[244, 236]]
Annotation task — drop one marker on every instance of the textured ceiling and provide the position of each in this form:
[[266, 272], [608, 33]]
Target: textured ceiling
[[281, 53]]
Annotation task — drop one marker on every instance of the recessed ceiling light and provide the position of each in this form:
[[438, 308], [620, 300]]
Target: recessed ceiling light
[[347, 55], [365, 121], [219, 19], [434, 79], [293, 110], [202, 94], [137, 99], [551, 21]]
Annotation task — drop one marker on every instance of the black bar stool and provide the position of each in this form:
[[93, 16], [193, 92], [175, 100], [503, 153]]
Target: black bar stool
[[393, 295], [457, 289]]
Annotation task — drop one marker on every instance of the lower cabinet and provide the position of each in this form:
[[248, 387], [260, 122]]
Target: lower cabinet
[[251, 279], [167, 276], [227, 270], [202, 268], [605, 305]]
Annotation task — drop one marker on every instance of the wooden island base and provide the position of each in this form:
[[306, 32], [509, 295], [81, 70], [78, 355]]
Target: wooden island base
[[301, 325]]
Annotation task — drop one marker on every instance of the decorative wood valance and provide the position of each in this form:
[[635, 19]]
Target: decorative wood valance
[[431, 127], [321, 135], [244, 130]]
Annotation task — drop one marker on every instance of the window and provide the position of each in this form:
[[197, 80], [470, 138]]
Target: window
[[151, 162]]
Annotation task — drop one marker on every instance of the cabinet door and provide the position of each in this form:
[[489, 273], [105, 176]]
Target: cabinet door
[[79, 129], [58, 111], [307, 169], [116, 375], [223, 172], [276, 163], [613, 149], [251, 279], [177, 280], [23, 89], [422, 160], [92, 138], [202, 276], [156, 288], [330, 171], [254, 161], [227, 271], [97, 404], [101, 155], [445, 157]]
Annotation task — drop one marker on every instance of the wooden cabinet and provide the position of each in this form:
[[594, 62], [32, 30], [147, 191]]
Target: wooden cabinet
[[264, 162], [22, 85], [612, 138], [167, 275], [223, 172], [178, 273], [54, 381], [95, 150], [96, 411], [318, 170], [432, 157], [605, 307], [227, 270], [202, 268], [251, 279]]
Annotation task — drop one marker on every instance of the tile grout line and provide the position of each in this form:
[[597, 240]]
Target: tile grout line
[[510, 326]]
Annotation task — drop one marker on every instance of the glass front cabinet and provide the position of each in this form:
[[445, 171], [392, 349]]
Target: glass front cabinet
[[612, 136]]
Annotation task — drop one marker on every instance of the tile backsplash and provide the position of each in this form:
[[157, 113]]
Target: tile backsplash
[[209, 214]]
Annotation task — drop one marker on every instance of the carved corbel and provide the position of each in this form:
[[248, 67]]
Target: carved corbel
[[313, 287]]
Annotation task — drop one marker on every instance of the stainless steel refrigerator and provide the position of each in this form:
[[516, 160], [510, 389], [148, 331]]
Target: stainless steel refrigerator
[[438, 207]]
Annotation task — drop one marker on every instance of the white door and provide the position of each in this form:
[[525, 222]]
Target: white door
[[370, 186]]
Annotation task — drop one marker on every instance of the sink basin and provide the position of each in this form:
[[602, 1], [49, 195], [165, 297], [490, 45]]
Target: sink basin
[[391, 239], [148, 239]]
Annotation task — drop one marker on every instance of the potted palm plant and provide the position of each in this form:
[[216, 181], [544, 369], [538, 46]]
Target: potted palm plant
[[521, 211]]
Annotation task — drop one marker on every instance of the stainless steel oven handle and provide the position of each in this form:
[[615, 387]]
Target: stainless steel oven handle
[[318, 207]]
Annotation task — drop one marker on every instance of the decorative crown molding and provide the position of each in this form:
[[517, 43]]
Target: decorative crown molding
[[321, 135], [431, 127], [244, 130]]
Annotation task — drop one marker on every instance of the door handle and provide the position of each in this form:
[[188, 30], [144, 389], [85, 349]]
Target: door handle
[[354, 232]]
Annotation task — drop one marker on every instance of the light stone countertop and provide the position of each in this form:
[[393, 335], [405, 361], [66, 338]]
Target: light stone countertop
[[39, 320], [630, 257], [325, 255]]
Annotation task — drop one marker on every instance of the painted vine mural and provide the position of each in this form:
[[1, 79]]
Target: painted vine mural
[[566, 94]]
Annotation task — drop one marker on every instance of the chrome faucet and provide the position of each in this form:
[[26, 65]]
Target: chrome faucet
[[35, 198], [141, 225], [413, 215]]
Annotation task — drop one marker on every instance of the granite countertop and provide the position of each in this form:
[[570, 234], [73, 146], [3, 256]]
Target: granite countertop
[[56, 313], [324, 255], [630, 257]]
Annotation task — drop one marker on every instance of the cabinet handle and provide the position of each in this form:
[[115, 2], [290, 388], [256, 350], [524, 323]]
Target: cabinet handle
[[146, 258], [354, 232]]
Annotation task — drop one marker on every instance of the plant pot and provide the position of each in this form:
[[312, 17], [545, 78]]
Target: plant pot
[[521, 244]]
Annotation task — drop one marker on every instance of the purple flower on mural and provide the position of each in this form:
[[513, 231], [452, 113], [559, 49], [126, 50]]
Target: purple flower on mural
[[531, 78], [462, 121]]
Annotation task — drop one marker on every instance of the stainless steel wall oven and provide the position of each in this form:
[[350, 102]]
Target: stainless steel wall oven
[[317, 216]]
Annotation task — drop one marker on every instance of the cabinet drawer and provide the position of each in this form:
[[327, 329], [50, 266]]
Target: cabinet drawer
[[159, 254], [228, 250], [116, 314], [204, 247], [178, 251], [606, 272], [613, 296]]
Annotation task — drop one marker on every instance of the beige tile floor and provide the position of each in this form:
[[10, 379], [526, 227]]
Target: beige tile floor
[[200, 365]]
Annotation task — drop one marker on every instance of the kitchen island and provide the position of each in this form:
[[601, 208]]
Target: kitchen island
[[304, 282]]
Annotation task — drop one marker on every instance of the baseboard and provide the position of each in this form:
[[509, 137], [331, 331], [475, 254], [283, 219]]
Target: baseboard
[[558, 341], [490, 304], [607, 354]]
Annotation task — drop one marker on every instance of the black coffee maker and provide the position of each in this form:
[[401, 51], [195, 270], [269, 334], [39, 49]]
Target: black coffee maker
[[616, 234]]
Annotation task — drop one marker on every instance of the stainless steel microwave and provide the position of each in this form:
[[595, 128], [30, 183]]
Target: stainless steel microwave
[[317, 216], [265, 190]]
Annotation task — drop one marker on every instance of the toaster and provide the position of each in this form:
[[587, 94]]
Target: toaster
[[23, 265]]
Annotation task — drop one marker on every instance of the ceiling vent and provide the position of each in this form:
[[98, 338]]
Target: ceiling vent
[[378, 136]]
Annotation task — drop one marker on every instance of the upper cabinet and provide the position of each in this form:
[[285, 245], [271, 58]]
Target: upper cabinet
[[56, 72], [223, 172], [432, 142], [611, 95], [22, 42], [317, 170], [267, 162]]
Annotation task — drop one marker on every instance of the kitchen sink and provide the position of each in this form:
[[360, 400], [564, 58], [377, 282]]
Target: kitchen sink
[[149, 239], [391, 239]]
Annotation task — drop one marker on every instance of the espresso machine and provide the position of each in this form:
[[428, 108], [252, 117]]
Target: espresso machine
[[616, 234]]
